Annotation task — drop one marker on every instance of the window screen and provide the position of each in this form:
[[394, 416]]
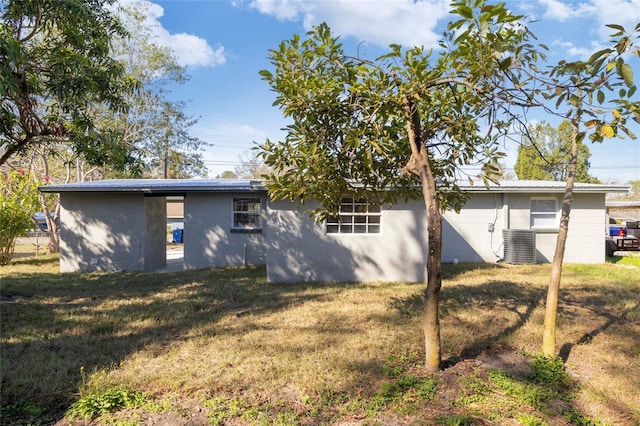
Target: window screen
[[246, 213], [355, 217]]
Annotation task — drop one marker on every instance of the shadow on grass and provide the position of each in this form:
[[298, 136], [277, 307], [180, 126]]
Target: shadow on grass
[[516, 299], [65, 323], [95, 321]]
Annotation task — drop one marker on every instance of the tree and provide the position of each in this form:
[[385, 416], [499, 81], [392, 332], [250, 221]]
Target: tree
[[154, 128], [545, 154], [227, 174], [405, 123], [18, 203], [251, 167], [583, 88], [55, 67]]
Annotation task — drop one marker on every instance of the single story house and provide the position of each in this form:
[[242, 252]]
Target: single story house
[[121, 225]]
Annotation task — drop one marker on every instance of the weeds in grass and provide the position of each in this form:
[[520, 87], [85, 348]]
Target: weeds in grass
[[531, 420], [100, 402], [318, 353], [453, 420], [550, 372], [223, 411], [575, 418], [474, 390], [31, 414]]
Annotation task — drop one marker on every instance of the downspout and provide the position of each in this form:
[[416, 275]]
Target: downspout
[[244, 256]]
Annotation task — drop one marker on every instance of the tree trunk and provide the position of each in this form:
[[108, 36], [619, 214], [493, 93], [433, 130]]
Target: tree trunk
[[419, 165], [551, 307], [431, 321], [53, 231]]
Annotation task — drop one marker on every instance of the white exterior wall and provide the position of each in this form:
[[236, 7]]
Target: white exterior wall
[[466, 235], [299, 250], [208, 238], [155, 236], [585, 241], [111, 232]]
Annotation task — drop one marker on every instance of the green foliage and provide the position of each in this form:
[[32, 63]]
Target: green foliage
[[575, 418], [531, 420], [524, 392], [599, 93], [18, 203], [28, 413], [395, 365], [453, 420], [222, 411], [105, 401], [474, 389], [155, 128], [548, 380], [350, 117], [406, 393], [546, 152], [54, 71], [549, 372]]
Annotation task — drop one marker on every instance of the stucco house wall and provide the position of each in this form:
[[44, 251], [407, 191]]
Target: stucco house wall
[[299, 250], [120, 225], [111, 232], [155, 234], [585, 241], [210, 241], [467, 236]]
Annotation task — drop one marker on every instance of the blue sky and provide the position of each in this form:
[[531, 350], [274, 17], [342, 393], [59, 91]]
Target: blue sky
[[224, 44]]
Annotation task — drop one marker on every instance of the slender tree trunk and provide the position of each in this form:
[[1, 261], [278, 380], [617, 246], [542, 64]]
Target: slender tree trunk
[[431, 321], [551, 307], [52, 229], [419, 165]]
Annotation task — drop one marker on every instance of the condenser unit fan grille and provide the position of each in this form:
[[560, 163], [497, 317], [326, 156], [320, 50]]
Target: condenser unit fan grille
[[519, 246]]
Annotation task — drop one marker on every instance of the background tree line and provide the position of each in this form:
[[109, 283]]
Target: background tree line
[[85, 95]]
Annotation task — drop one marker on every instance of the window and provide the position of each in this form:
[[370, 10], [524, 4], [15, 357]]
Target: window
[[246, 213], [355, 217], [544, 213]]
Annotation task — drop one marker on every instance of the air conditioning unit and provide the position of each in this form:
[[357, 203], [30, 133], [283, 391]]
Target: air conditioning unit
[[519, 246]]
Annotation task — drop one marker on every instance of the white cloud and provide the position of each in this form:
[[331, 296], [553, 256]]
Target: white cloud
[[561, 11], [578, 52], [621, 12], [189, 49], [601, 12], [380, 22]]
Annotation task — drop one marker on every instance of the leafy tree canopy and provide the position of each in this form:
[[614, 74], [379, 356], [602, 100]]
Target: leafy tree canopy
[[351, 117], [18, 203], [155, 128], [55, 66], [545, 152], [407, 122]]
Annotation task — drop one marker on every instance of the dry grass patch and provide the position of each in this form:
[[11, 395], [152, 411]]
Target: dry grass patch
[[226, 347]]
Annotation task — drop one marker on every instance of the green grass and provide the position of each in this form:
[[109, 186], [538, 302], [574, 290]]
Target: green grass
[[227, 347], [632, 259]]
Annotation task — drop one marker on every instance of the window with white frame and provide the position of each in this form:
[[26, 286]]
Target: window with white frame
[[246, 213], [544, 213], [355, 217]]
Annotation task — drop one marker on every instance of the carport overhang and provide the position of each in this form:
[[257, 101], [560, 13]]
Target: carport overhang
[[107, 214], [159, 187]]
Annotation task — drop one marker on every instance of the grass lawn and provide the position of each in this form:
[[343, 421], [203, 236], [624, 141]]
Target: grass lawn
[[223, 346]]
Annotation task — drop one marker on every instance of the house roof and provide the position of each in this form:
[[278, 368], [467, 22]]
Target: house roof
[[542, 186], [622, 204], [159, 186], [181, 186]]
